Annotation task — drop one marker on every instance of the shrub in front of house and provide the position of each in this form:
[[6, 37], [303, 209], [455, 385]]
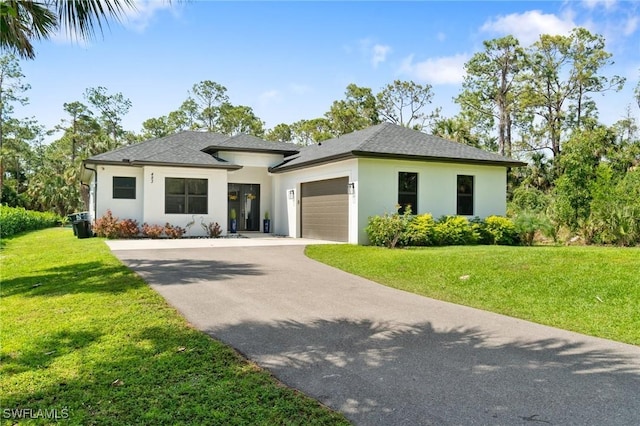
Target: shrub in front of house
[[213, 229], [501, 231], [107, 226], [455, 231], [173, 231], [128, 228], [389, 230], [421, 231], [482, 233], [152, 231]]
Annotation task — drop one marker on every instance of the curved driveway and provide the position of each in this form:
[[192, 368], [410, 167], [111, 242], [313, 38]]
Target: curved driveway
[[387, 357]]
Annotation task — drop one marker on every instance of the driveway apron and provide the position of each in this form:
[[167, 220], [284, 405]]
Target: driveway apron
[[387, 357]]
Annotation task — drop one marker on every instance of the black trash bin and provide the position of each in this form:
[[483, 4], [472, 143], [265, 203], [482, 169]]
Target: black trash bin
[[82, 228]]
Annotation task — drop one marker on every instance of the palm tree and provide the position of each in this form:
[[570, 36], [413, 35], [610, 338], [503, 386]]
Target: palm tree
[[22, 21]]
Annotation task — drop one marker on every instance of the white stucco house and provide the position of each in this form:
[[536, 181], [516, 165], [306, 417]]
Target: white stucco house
[[325, 191]]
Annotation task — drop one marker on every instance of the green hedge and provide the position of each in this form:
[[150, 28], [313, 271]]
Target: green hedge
[[392, 230], [14, 220]]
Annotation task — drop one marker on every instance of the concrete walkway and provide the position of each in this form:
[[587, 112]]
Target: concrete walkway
[[387, 357], [250, 239]]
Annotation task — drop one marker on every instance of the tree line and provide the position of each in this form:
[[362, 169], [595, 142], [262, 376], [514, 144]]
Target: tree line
[[534, 103]]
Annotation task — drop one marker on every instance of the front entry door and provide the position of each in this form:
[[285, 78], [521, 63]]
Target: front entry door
[[244, 199]]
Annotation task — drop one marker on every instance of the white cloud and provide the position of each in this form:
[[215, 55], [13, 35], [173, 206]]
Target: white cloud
[[375, 52], [528, 26], [380, 52], [139, 18], [136, 19], [443, 70]]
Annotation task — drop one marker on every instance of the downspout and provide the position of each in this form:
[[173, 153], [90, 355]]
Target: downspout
[[95, 190]]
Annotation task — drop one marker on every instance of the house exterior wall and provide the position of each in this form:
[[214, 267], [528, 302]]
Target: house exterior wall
[[287, 211], [251, 159], [153, 208], [378, 188], [148, 206], [103, 193], [375, 181]]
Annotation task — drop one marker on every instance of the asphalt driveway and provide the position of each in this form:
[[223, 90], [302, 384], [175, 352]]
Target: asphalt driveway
[[387, 357]]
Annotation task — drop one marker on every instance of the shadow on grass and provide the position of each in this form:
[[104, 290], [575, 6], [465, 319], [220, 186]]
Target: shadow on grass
[[168, 375], [42, 352], [383, 373], [188, 271], [87, 277]]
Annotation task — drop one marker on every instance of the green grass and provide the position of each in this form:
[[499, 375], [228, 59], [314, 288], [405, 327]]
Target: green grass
[[83, 334], [591, 290]]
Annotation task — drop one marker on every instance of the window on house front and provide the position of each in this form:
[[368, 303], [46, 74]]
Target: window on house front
[[407, 191], [185, 196], [124, 187], [465, 195]]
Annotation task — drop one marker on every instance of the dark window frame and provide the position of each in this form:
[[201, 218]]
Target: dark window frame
[[188, 200], [122, 191], [407, 191], [465, 195]]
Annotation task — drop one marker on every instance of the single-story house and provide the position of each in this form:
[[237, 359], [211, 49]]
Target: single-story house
[[325, 191]]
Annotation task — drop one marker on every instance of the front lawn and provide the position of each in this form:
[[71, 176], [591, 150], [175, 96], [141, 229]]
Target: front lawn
[[591, 290], [86, 340]]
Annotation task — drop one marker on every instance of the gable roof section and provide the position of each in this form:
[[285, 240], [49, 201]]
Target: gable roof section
[[388, 140], [190, 149], [249, 143]]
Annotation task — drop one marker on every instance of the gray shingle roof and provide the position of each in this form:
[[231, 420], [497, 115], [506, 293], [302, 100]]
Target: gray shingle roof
[[191, 149], [196, 149], [390, 140]]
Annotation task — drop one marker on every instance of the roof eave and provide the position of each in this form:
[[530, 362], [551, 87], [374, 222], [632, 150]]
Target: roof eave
[[504, 163], [217, 148], [136, 163], [310, 163], [368, 154]]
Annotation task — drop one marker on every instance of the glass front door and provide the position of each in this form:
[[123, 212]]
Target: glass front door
[[244, 201]]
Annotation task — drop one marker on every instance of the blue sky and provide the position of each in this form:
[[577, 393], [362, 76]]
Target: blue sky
[[291, 60]]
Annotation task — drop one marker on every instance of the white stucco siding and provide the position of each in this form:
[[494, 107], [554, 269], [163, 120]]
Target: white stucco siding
[[378, 188], [121, 208], [251, 159], [287, 211], [154, 196]]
